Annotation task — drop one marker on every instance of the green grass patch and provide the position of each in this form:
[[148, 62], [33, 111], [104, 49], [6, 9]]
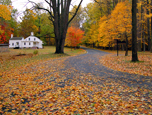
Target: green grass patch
[[131, 67], [126, 61], [137, 62], [15, 58]]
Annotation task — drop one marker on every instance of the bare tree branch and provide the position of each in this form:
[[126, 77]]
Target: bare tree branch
[[38, 7], [75, 12], [47, 2]]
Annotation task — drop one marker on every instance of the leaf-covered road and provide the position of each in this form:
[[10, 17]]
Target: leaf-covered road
[[74, 85], [89, 63]]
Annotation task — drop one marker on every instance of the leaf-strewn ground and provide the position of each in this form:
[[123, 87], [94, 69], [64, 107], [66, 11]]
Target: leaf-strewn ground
[[73, 85], [124, 64], [15, 58]]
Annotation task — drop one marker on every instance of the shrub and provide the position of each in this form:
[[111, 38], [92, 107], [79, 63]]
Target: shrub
[[35, 52], [19, 53]]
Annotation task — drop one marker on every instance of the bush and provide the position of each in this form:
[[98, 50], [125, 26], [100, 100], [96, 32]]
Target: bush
[[20, 53], [35, 52]]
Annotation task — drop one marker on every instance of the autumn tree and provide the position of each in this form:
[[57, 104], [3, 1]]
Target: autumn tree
[[6, 2], [121, 15], [142, 20], [139, 26], [92, 14], [76, 22], [144, 30], [104, 36], [14, 22], [28, 23], [151, 29], [106, 6], [46, 29], [148, 26], [74, 36], [116, 26], [5, 30], [59, 14]]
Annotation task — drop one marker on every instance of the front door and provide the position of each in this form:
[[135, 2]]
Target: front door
[[34, 43], [17, 44]]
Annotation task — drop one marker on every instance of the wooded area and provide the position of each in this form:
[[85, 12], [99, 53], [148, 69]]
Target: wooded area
[[108, 21], [103, 21]]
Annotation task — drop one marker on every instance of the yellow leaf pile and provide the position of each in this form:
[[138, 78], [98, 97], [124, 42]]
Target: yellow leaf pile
[[124, 64]]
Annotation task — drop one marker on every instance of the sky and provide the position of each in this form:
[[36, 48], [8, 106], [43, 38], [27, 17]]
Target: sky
[[21, 5]]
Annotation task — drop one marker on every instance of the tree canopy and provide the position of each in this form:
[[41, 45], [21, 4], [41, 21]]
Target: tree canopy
[[59, 16]]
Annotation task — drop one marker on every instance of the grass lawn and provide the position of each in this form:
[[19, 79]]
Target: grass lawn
[[19, 57]]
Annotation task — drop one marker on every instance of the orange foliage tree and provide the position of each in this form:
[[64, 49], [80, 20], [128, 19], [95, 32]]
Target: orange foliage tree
[[5, 33], [5, 30], [74, 37]]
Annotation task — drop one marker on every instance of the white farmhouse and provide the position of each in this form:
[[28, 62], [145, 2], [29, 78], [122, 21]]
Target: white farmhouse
[[15, 42], [30, 42]]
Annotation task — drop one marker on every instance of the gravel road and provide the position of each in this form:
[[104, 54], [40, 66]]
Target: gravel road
[[89, 63]]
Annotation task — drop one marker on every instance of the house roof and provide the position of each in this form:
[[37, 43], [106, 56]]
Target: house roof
[[16, 38]]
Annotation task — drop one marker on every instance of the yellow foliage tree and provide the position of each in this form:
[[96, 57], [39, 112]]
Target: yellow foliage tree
[[5, 12], [115, 25], [92, 14], [121, 17], [92, 35], [105, 32]]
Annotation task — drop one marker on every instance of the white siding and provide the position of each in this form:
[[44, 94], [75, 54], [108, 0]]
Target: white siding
[[35, 42], [29, 42], [15, 43]]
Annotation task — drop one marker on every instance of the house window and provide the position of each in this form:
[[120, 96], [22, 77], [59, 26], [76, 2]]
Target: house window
[[24, 43], [29, 43], [29, 39], [34, 39], [12, 44]]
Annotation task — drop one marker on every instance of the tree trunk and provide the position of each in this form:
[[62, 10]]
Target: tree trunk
[[144, 46], [139, 45], [60, 46], [148, 26], [126, 53], [134, 31], [142, 29], [139, 29], [49, 41], [108, 4], [151, 30]]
